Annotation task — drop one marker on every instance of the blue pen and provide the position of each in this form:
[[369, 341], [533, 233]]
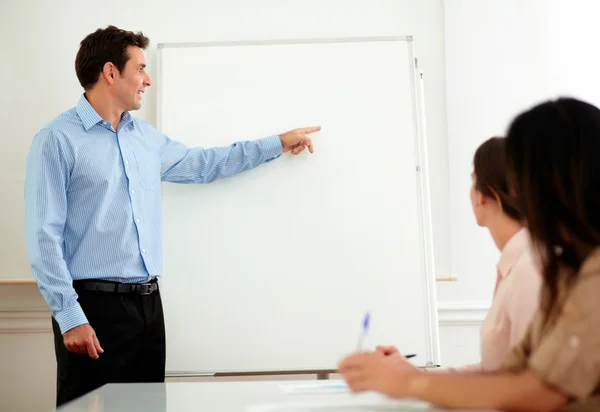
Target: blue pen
[[365, 329]]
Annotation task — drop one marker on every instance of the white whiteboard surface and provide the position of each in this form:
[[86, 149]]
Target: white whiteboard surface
[[274, 269]]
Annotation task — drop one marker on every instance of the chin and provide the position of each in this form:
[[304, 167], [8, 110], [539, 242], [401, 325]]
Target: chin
[[479, 221]]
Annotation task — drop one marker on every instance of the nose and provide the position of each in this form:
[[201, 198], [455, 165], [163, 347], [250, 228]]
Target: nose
[[147, 81]]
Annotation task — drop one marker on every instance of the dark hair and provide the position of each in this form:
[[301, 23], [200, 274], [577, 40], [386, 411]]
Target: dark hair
[[489, 166], [553, 153], [102, 46]]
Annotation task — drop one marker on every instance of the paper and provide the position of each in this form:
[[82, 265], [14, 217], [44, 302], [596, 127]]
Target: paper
[[316, 387]]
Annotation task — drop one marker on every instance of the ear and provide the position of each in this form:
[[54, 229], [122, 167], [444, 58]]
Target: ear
[[483, 199], [110, 73], [480, 199]]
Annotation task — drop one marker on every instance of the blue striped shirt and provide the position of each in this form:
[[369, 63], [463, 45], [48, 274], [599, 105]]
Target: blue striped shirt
[[93, 199]]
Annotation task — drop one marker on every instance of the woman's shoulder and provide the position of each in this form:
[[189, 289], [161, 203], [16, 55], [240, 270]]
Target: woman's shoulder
[[583, 291], [527, 264]]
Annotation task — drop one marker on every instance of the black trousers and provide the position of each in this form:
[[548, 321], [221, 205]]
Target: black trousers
[[130, 329]]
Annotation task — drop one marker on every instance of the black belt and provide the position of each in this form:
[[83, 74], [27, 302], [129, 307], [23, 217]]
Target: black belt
[[115, 287]]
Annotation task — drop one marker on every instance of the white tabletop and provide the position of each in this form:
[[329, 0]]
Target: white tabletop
[[253, 396]]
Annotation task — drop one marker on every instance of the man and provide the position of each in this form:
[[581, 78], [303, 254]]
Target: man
[[93, 215]]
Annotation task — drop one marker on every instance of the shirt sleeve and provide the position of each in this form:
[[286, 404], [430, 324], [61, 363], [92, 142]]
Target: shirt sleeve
[[567, 357], [181, 164], [46, 183]]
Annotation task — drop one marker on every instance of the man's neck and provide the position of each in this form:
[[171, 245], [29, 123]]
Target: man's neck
[[103, 105]]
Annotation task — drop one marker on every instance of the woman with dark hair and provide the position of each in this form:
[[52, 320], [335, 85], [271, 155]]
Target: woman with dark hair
[[553, 156], [518, 279]]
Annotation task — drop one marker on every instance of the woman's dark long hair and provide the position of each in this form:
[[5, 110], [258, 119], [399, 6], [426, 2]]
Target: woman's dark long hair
[[489, 166], [553, 156]]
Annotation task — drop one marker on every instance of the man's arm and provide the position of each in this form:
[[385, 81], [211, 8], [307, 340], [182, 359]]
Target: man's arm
[[46, 183], [182, 164]]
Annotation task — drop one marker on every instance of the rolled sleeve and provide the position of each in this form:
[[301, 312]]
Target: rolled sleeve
[[568, 357]]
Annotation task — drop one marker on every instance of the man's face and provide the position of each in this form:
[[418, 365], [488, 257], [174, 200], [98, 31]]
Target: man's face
[[133, 80]]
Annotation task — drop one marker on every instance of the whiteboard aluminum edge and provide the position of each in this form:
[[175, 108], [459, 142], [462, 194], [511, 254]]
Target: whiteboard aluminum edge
[[161, 46], [425, 225], [432, 357]]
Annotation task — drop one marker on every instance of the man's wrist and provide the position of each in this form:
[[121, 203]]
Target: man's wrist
[[272, 146], [70, 318]]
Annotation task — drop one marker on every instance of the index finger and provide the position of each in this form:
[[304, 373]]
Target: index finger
[[306, 130]]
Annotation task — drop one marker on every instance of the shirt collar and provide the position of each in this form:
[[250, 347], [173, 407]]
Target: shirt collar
[[512, 250], [90, 117]]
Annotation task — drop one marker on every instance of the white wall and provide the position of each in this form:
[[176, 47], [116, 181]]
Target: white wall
[[501, 58], [495, 66], [573, 60], [43, 83]]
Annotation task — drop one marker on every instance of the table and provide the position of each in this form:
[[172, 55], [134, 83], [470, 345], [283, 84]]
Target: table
[[248, 396]]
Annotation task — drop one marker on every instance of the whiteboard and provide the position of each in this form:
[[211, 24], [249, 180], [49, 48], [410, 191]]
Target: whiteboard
[[274, 269]]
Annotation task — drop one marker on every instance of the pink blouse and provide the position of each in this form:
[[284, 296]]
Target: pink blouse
[[516, 299]]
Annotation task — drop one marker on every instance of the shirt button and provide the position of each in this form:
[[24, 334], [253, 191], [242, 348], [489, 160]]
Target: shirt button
[[137, 220], [143, 250], [132, 191], [126, 162]]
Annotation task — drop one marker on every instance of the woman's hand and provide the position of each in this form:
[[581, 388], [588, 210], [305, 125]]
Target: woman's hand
[[373, 372], [387, 350]]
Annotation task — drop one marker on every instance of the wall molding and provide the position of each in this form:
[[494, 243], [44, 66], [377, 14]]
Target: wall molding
[[466, 313], [29, 321], [23, 309]]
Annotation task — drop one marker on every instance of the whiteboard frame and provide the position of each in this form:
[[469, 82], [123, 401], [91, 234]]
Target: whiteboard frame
[[432, 357]]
